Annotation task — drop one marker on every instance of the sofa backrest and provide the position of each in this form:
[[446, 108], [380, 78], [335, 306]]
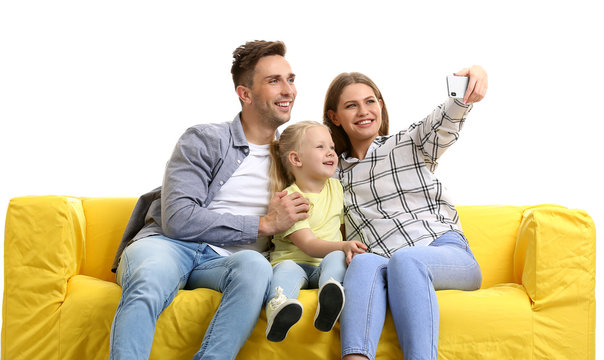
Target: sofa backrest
[[106, 219], [491, 232]]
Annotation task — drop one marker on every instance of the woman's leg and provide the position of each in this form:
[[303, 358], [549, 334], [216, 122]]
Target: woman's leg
[[362, 319], [414, 273]]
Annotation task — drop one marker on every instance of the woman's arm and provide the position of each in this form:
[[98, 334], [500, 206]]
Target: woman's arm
[[440, 129]]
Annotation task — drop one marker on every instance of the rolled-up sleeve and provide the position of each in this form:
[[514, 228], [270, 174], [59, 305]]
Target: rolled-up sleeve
[[439, 130]]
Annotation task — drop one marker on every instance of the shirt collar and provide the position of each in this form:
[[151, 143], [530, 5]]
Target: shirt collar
[[239, 138], [237, 132], [377, 142]]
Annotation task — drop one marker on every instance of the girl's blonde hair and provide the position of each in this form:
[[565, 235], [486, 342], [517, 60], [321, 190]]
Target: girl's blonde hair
[[290, 140]]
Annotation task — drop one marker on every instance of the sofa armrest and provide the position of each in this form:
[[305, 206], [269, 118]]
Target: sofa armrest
[[555, 262], [43, 248]]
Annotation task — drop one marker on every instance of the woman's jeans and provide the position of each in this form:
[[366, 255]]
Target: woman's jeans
[[293, 276], [151, 272], [407, 282]]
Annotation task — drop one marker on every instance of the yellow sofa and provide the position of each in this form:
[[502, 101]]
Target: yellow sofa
[[536, 301]]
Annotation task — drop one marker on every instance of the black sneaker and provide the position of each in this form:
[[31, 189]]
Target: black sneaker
[[331, 303], [281, 314]]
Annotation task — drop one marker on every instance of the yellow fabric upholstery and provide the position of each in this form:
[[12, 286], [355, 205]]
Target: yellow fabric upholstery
[[537, 299]]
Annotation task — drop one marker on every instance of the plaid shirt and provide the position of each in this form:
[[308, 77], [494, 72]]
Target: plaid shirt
[[392, 197]]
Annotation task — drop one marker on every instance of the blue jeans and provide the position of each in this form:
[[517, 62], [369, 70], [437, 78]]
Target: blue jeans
[[151, 272], [407, 282], [293, 276]]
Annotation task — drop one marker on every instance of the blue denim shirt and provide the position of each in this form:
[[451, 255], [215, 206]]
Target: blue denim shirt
[[204, 158]]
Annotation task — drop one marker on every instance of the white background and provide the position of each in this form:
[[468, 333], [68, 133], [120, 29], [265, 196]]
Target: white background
[[93, 95]]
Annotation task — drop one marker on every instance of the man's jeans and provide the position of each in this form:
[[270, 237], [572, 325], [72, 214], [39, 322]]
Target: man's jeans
[[407, 283], [293, 276], [151, 272]]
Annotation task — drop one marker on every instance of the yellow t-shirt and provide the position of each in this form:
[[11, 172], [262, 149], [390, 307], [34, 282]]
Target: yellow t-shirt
[[325, 216]]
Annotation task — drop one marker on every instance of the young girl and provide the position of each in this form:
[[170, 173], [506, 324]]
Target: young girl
[[304, 160], [401, 212]]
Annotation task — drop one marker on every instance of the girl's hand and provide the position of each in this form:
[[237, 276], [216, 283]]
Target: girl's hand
[[477, 84], [351, 248]]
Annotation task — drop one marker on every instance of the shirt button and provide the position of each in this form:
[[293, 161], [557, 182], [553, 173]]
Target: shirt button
[[222, 183], [238, 161]]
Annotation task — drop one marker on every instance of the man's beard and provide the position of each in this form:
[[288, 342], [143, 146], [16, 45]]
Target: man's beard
[[272, 115]]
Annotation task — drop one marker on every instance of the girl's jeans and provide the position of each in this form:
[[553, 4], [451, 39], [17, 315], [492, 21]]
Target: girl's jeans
[[293, 276]]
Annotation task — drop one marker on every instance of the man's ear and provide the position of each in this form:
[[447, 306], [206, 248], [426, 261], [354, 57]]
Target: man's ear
[[244, 94], [294, 159], [332, 116]]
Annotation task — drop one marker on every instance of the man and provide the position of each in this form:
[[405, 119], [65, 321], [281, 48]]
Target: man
[[210, 223]]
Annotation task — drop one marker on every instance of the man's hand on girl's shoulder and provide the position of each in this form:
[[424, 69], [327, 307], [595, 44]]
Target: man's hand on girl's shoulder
[[283, 212]]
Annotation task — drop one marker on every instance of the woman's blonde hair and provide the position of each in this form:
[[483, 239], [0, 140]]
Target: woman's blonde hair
[[290, 140], [332, 98]]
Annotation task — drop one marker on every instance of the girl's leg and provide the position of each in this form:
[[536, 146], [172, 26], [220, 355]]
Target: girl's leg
[[291, 277], [331, 299], [363, 316], [333, 266], [414, 273], [283, 309]]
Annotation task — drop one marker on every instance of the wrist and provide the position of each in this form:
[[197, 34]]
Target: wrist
[[263, 227]]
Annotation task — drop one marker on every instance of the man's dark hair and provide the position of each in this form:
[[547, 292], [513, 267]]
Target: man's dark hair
[[246, 56]]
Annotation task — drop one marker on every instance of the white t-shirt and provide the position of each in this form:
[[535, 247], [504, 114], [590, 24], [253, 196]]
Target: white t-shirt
[[236, 198]]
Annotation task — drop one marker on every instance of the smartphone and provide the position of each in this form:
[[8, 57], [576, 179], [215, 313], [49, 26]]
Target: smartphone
[[457, 86]]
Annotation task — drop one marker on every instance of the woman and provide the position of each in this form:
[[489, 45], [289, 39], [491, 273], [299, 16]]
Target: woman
[[400, 211]]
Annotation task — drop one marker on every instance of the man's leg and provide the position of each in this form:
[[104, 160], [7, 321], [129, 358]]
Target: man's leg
[[244, 279], [151, 272]]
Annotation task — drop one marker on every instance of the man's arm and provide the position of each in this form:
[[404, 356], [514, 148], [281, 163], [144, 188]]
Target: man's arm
[[194, 164]]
